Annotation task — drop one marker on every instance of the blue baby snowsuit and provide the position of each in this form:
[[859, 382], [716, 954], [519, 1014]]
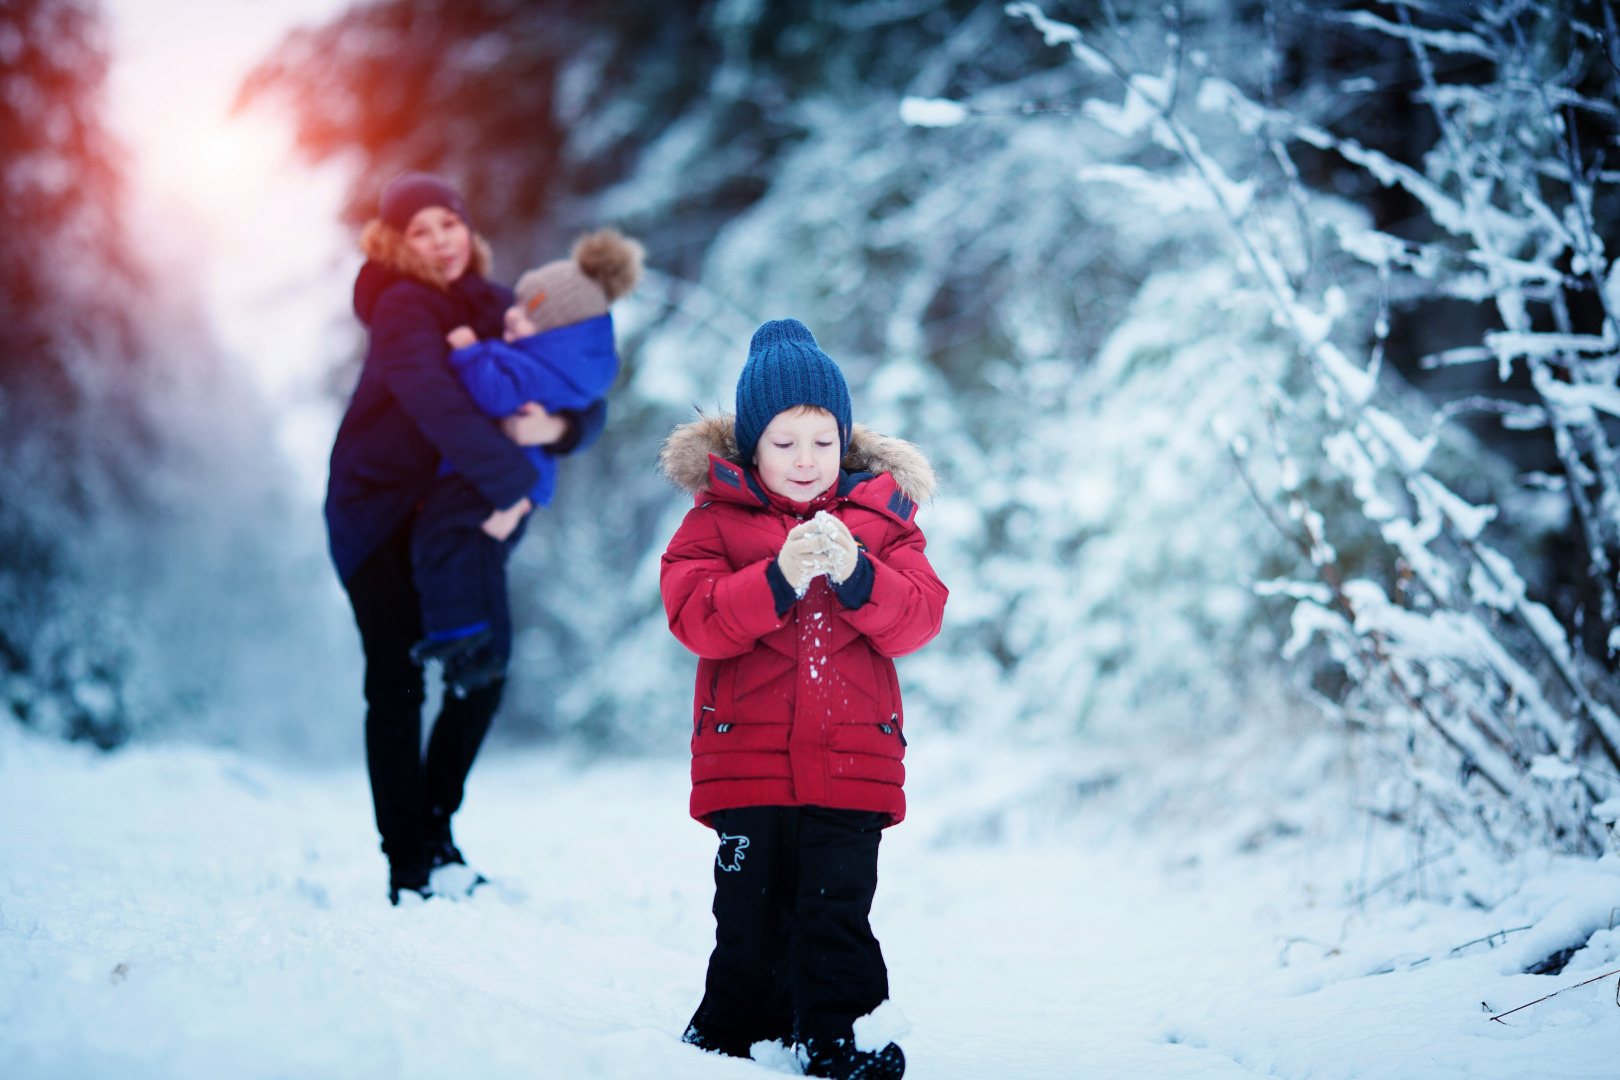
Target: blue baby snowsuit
[[459, 570]]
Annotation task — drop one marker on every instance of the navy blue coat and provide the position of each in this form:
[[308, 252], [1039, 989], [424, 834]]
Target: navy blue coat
[[409, 412]]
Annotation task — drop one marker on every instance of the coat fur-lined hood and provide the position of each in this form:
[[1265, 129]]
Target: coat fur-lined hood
[[685, 456]]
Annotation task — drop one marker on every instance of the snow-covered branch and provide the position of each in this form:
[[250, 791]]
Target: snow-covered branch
[[1462, 647]]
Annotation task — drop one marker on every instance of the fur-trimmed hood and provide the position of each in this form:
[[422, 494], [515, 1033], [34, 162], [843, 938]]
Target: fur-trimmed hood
[[684, 459]]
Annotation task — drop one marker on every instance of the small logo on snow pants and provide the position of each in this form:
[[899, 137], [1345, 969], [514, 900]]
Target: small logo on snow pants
[[732, 851]]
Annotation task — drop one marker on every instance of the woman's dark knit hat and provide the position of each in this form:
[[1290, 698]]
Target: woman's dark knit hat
[[411, 192], [785, 369]]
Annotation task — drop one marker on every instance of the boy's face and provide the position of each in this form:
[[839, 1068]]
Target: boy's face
[[518, 322], [798, 453]]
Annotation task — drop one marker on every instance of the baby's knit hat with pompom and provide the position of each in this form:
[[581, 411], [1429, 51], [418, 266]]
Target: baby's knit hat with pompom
[[604, 266]]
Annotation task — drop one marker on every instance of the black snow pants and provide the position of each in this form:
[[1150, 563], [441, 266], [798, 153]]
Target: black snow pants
[[459, 570], [794, 957], [413, 796]]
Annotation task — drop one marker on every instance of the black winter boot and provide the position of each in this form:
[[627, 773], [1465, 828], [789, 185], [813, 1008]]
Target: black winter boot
[[839, 1060], [716, 1042], [408, 875], [466, 672], [448, 873], [440, 846], [703, 1033]]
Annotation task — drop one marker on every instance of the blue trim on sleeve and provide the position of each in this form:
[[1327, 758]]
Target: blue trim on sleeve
[[856, 589], [458, 632], [781, 591]]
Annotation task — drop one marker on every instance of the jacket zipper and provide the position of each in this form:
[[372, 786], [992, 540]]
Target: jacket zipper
[[893, 728], [704, 709]]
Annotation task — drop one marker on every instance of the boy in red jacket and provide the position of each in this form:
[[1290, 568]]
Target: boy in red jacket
[[796, 579]]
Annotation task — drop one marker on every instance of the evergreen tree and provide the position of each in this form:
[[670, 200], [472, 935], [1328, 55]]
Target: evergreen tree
[[71, 436]]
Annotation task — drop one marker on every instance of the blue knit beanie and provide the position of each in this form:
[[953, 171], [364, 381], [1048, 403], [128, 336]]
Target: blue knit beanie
[[786, 368], [408, 193]]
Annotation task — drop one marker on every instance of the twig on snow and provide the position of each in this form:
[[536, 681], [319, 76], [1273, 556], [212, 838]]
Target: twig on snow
[[1555, 993], [1403, 872], [1489, 939]]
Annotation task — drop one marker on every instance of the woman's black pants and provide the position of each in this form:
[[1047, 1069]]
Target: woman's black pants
[[414, 795], [794, 956]]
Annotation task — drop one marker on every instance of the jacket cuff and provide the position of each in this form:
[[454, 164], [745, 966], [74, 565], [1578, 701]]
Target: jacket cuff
[[570, 438], [781, 591], [856, 589]]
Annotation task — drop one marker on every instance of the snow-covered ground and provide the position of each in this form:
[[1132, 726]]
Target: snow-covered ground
[[183, 912]]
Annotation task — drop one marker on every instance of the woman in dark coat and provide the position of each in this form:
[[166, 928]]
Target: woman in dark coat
[[425, 275]]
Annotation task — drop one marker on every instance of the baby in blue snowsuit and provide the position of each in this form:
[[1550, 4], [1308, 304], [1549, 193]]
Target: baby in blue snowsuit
[[557, 352]]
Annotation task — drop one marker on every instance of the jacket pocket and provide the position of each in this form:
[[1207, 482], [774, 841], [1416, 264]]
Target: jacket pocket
[[730, 737], [741, 750], [877, 738]]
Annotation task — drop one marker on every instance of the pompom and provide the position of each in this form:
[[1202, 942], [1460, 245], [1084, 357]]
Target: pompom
[[611, 259]]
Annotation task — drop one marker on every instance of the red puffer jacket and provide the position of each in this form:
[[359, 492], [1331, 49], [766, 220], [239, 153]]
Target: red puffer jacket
[[801, 709]]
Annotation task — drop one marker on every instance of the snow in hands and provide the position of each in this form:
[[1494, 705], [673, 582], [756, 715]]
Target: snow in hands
[[825, 556]]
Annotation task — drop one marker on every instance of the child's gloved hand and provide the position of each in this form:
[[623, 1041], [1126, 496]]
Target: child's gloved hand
[[803, 556], [843, 550], [461, 337], [822, 545]]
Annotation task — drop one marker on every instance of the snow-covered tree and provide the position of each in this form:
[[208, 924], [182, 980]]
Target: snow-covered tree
[[152, 579], [1498, 723], [72, 441]]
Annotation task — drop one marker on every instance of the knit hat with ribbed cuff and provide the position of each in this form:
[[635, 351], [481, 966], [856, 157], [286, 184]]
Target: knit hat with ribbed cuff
[[411, 192], [786, 368]]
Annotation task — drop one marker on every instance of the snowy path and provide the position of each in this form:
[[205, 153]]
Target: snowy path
[[183, 913]]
